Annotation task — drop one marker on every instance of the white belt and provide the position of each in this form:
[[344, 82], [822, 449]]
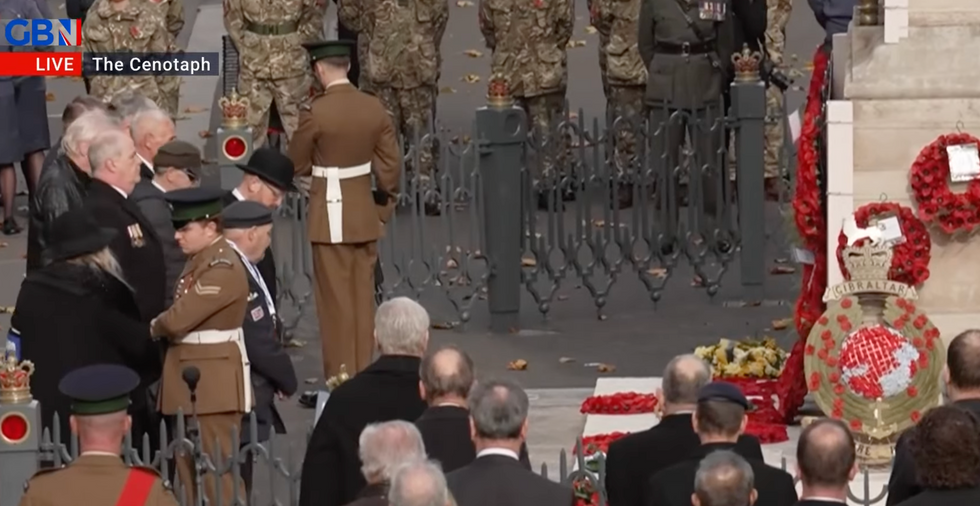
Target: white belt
[[335, 195], [227, 336]]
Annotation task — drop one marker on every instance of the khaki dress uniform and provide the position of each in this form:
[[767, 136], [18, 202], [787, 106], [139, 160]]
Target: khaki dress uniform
[[204, 329], [344, 138]]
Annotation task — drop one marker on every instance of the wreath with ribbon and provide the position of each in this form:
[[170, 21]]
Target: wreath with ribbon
[[910, 259], [929, 178], [898, 362]]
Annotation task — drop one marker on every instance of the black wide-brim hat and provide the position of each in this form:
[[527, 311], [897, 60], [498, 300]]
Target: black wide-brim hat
[[273, 167], [91, 241]]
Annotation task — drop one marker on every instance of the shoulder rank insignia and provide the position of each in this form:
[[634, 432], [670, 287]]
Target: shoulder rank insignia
[[206, 290], [220, 261], [252, 296]]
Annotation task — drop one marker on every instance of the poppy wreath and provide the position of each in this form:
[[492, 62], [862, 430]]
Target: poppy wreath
[[937, 203], [898, 361], [910, 260]]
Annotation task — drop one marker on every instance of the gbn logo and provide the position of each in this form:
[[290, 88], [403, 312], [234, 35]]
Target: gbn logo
[[43, 32]]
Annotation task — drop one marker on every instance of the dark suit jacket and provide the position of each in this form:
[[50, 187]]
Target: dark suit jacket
[[498, 480], [272, 369], [372, 495], [750, 23], [633, 459], [141, 258], [674, 485], [146, 173], [446, 434], [954, 497], [155, 208], [387, 390], [902, 482], [267, 266]]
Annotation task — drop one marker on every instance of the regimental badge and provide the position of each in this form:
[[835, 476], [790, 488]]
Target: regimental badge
[[873, 359], [136, 235], [257, 314]]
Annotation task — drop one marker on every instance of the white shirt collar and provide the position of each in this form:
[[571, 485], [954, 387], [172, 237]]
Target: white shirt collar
[[124, 194], [237, 194], [104, 454], [498, 451], [823, 499], [338, 82], [148, 164], [164, 190]]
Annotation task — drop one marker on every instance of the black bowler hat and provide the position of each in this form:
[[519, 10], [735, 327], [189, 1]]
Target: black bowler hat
[[271, 166], [329, 49], [194, 204], [723, 391], [76, 233], [99, 389]]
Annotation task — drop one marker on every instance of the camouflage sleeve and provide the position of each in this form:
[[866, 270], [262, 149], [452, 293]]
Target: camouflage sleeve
[[486, 24], [160, 42], [645, 39], [175, 17], [234, 20], [303, 142], [441, 19], [597, 16], [566, 22], [349, 14], [311, 20]]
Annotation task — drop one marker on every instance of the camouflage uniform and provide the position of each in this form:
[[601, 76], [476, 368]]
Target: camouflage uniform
[[173, 12], [273, 64], [401, 64], [778, 12], [529, 40], [593, 5], [131, 26], [617, 24]]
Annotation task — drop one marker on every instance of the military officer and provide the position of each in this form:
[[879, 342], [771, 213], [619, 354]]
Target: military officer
[[344, 138], [204, 329], [273, 66], [625, 77], [686, 46], [100, 396], [125, 26], [402, 69], [529, 42], [248, 228]]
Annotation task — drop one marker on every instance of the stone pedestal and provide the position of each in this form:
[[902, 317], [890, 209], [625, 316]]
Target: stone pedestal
[[897, 98]]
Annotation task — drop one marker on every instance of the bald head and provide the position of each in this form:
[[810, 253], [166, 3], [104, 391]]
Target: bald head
[[963, 361], [825, 454], [100, 432], [683, 377], [446, 373], [724, 479], [419, 484]]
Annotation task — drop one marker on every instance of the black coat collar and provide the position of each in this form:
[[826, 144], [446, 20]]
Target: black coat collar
[[707, 448], [397, 364], [373, 490], [101, 190], [445, 413]]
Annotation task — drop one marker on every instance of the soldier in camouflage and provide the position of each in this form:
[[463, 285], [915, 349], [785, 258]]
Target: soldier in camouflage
[[529, 41], [624, 79], [778, 17], [173, 15], [401, 39], [273, 66], [125, 26]]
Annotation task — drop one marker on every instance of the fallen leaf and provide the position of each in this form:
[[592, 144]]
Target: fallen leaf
[[782, 260], [528, 262], [443, 325], [517, 365], [49, 97], [464, 3], [445, 90], [295, 343], [565, 360], [590, 29], [3, 245], [452, 263], [194, 109], [310, 381], [657, 272], [605, 368], [782, 323], [470, 79], [572, 44], [808, 66], [204, 134], [562, 297], [697, 281], [782, 269], [473, 53]]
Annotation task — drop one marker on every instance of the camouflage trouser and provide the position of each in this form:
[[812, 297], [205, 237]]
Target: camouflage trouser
[[413, 112], [624, 107], [169, 87], [778, 13], [290, 94], [544, 112]]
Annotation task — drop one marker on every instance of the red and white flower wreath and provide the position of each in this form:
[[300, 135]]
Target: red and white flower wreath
[[910, 260], [937, 203]]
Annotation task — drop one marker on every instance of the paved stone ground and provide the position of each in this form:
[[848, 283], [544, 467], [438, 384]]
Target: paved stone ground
[[635, 337]]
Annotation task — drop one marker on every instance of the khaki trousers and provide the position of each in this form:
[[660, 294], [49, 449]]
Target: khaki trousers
[[345, 304], [214, 428]]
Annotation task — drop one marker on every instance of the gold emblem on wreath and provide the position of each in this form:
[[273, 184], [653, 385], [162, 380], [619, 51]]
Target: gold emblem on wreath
[[873, 359], [234, 110], [747, 64], [15, 378]]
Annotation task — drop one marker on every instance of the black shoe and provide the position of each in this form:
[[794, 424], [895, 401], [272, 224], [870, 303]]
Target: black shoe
[[10, 227], [308, 399]]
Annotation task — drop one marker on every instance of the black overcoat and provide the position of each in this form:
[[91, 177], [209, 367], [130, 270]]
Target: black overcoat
[[446, 433], [155, 208], [267, 266], [499, 480], [386, 390], [95, 321], [136, 246]]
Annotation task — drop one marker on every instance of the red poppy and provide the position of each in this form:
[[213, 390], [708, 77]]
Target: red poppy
[[936, 202], [912, 391], [915, 416], [856, 424]]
